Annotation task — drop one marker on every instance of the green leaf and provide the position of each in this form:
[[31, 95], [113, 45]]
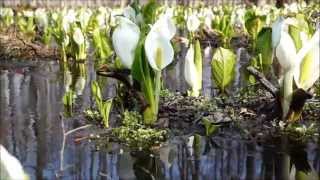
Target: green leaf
[[143, 74], [198, 60], [96, 91], [105, 112], [306, 69], [253, 25], [149, 11], [223, 67], [264, 45], [295, 35]]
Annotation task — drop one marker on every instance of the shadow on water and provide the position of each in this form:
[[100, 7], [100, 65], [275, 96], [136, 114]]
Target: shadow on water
[[31, 111]]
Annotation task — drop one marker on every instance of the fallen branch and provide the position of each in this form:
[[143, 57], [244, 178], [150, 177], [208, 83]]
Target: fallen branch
[[264, 81], [122, 75]]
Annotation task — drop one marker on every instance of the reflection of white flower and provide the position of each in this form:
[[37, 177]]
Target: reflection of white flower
[[193, 23], [80, 85], [10, 167]]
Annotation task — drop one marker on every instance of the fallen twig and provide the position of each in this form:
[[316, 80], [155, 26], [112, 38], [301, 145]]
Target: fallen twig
[[264, 81]]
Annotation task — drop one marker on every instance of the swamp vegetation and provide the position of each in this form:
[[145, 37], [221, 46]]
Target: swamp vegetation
[[152, 91]]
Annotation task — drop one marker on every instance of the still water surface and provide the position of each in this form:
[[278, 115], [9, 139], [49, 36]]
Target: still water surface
[[31, 128]]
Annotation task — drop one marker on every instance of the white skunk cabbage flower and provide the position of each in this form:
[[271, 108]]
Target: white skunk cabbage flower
[[165, 27], [308, 71], [6, 12], [129, 13], [125, 39], [84, 17], [28, 13], [157, 45], [237, 17], [101, 19], [68, 18], [114, 16], [41, 17], [193, 23], [190, 71], [10, 167], [292, 7], [78, 36], [293, 63], [208, 18], [283, 44]]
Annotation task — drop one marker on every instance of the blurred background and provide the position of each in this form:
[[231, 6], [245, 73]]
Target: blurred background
[[93, 3]]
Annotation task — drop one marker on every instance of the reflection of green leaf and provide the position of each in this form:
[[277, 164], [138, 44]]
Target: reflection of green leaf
[[264, 46], [223, 67], [68, 101], [210, 128], [96, 91]]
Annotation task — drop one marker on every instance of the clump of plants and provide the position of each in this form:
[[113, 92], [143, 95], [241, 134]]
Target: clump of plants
[[135, 134]]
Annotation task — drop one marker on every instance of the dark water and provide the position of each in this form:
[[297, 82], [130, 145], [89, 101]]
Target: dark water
[[32, 127]]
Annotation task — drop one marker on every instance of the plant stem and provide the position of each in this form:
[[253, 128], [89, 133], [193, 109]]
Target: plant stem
[[287, 93], [157, 93]]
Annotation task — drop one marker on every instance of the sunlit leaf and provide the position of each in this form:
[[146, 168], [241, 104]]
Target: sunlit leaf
[[264, 46], [223, 67]]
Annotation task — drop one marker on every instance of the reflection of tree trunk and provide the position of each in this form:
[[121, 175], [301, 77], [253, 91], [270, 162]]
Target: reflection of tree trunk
[[251, 165], [4, 104], [268, 163], [43, 112], [282, 166]]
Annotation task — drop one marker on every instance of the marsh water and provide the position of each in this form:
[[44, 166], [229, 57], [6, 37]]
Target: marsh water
[[32, 124]]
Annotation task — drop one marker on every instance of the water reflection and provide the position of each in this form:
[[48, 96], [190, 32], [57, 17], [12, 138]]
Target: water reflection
[[30, 117]]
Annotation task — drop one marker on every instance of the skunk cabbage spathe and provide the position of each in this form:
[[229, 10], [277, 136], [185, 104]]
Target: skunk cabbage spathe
[[125, 39], [299, 65]]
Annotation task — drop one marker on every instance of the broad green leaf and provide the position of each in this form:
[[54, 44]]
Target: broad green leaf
[[254, 25], [149, 11], [264, 45], [223, 67]]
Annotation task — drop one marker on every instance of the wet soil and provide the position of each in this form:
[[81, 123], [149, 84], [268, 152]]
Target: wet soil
[[14, 46]]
